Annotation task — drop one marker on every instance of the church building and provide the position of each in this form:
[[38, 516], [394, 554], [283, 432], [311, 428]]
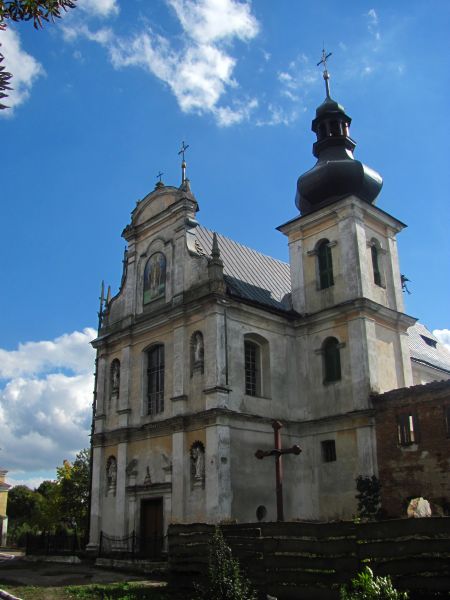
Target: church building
[[208, 342]]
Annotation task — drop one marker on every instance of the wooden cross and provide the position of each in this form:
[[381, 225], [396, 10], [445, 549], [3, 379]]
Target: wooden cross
[[278, 451]]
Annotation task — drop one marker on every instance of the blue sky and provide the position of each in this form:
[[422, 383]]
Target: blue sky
[[102, 101]]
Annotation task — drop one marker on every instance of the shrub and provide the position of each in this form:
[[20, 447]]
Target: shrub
[[367, 587], [225, 580]]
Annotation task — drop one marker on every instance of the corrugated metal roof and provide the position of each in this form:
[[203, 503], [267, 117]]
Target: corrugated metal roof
[[420, 350], [250, 274], [263, 279]]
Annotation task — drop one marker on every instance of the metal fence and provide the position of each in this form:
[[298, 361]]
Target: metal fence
[[53, 544], [130, 547]]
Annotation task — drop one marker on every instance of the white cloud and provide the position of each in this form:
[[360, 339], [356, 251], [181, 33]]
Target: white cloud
[[373, 17], [373, 24], [200, 72], [208, 21], [99, 8], [443, 335], [69, 351], [24, 67], [45, 414]]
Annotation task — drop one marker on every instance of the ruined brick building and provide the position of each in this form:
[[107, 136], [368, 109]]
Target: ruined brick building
[[207, 342]]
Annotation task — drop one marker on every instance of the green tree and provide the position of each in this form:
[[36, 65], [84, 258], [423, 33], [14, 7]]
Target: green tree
[[225, 579], [38, 11], [73, 480]]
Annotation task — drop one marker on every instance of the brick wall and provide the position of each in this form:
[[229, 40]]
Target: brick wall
[[419, 464]]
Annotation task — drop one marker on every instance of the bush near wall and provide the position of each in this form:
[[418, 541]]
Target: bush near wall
[[311, 560]]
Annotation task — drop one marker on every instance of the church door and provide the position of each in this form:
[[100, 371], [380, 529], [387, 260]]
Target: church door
[[152, 532]]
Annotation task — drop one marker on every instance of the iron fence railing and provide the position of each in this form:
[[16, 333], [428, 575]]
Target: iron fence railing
[[54, 544], [130, 546]]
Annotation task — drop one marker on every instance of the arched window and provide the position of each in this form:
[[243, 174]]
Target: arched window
[[256, 365], [252, 368], [155, 277], [375, 264], [115, 378], [331, 360], [325, 264], [155, 380]]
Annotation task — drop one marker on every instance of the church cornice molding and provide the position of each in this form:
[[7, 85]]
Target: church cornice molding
[[363, 307], [220, 416], [338, 210], [182, 207]]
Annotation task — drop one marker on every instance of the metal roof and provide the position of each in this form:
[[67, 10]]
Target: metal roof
[[421, 351], [267, 281], [250, 274]]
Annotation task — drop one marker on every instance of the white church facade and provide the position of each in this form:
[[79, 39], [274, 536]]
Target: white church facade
[[208, 342]]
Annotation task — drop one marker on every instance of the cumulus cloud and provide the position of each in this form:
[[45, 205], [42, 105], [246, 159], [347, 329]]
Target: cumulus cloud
[[200, 72], [45, 402], [24, 67], [69, 351], [99, 8], [443, 335]]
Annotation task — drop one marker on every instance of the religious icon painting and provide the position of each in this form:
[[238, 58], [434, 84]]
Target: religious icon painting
[[155, 277]]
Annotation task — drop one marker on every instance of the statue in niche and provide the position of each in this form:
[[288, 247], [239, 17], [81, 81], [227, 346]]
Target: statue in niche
[[198, 463], [155, 277], [197, 352], [111, 473], [115, 378], [148, 479]]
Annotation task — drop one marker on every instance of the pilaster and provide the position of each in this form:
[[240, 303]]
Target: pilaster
[[218, 473]]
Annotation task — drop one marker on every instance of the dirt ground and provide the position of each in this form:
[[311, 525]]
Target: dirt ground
[[16, 573]]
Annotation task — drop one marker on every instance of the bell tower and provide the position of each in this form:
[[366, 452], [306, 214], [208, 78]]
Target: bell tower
[[345, 272]]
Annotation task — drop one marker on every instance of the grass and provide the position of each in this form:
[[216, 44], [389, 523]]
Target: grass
[[114, 591]]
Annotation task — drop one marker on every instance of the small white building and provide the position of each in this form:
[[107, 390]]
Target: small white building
[[208, 342]]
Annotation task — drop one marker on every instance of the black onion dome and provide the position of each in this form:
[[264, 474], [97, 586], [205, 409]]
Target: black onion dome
[[336, 174]]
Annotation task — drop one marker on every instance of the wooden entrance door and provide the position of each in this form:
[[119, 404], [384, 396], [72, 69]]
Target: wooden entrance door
[[152, 532]]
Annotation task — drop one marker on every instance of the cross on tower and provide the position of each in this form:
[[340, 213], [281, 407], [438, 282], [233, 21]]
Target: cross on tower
[[326, 75], [159, 175], [184, 147], [278, 451]]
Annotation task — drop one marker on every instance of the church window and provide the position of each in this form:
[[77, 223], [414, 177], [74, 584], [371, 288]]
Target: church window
[[407, 429], [256, 365], [251, 368], [331, 360], [155, 277], [375, 265], [325, 263], [328, 450], [155, 380]]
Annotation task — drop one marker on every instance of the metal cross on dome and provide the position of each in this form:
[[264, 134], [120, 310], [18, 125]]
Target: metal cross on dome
[[184, 147], [159, 175], [326, 75], [277, 452]]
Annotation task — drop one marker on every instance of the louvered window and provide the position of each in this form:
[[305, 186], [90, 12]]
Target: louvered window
[[325, 261]]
